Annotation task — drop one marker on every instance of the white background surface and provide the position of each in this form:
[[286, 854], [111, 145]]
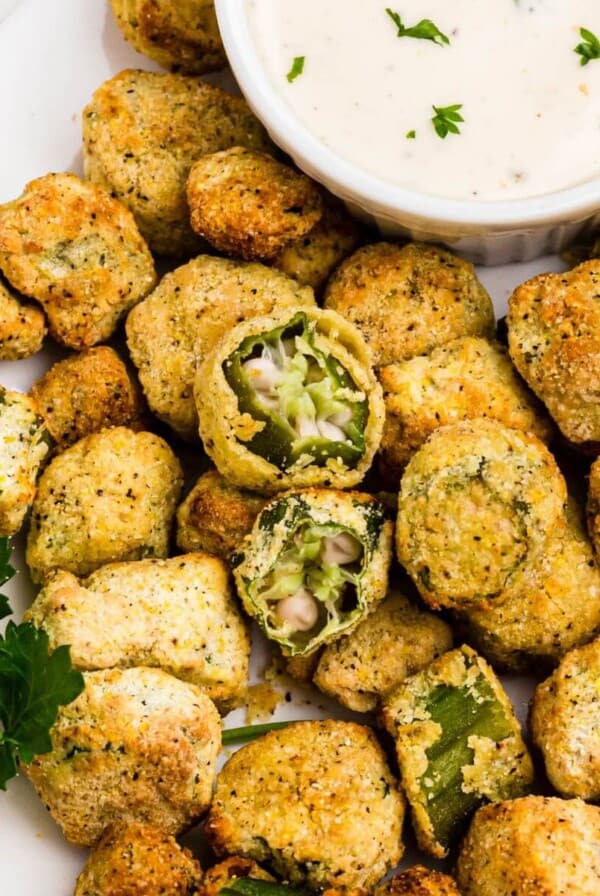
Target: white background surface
[[53, 54]]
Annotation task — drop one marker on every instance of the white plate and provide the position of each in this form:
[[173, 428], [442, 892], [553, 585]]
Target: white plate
[[52, 57]]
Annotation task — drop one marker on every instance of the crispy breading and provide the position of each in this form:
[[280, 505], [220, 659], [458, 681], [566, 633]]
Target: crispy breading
[[87, 392], [315, 801], [417, 881], [111, 496], [193, 307], [245, 203], [138, 859], [182, 35], [143, 131], [136, 745], [534, 846], [554, 341], [177, 614], [407, 300], [226, 872], [22, 327], [75, 249]]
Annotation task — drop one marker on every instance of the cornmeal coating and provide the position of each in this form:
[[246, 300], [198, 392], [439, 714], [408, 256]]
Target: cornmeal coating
[[565, 723], [554, 341], [138, 859], [24, 445], [417, 881], [182, 35], [111, 496], [246, 203], [22, 327], [593, 506], [136, 745], [466, 378], [534, 846], [477, 504], [395, 641], [315, 801], [75, 249], [177, 614], [191, 309], [226, 872], [215, 517], [555, 607], [408, 300], [143, 131], [87, 392]]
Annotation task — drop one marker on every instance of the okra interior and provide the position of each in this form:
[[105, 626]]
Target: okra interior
[[308, 402]]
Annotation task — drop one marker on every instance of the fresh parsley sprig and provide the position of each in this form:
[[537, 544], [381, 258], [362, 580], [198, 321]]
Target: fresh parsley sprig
[[589, 48], [296, 69], [250, 732], [446, 119], [6, 573], [423, 30]]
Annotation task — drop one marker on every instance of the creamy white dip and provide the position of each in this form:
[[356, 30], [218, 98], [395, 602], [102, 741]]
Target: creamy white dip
[[531, 110]]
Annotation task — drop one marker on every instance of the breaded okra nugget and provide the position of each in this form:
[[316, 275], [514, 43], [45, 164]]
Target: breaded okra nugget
[[73, 247], [224, 873], [593, 506], [182, 35], [136, 745], [417, 881], [87, 392], [407, 300], [246, 203], [468, 377], [176, 614], [477, 504], [143, 131], [554, 341], [216, 516], [565, 723], [315, 801], [138, 859], [22, 327], [195, 305], [111, 496], [395, 641], [24, 445], [534, 846]]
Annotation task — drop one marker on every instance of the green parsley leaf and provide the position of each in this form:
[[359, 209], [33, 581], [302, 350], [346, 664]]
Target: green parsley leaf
[[589, 48], [296, 69], [6, 573], [411, 135], [445, 120], [423, 30], [33, 684], [250, 732]]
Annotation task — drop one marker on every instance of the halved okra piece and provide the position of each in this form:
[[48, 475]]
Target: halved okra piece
[[458, 744], [315, 564]]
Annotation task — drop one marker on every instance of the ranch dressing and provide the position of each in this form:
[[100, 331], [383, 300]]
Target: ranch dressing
[[531, 110]]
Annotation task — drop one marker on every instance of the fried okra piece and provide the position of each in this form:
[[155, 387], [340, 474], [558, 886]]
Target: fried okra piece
[[468, 377], [315, 801], [314, 566], [408, 300], [22, 327], [565, 723], [395, 641], [71, 246], [86, 392], [417, 881], [477, 504], [246, 203], [555, 607], [593, 506], [142, 133], [290, 400], [532, 846], [136, 745], [111, 496], [222, 875], [458, 745], [176, 614], [138, 859], [554, 341], [24, 445], [182, 35], [215, 517], [191, 309]]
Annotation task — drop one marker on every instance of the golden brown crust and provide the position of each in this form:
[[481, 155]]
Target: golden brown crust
[[22, 327], [407, 300], [227, 871], [417, 881], [71, 246]]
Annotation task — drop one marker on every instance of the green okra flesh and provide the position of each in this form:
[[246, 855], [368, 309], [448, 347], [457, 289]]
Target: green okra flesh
[[248, 886]]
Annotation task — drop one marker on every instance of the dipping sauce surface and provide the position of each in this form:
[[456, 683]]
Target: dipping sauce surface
[[531, 110]]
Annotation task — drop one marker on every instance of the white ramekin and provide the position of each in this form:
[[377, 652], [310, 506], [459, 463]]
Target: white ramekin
[[492, 232]]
